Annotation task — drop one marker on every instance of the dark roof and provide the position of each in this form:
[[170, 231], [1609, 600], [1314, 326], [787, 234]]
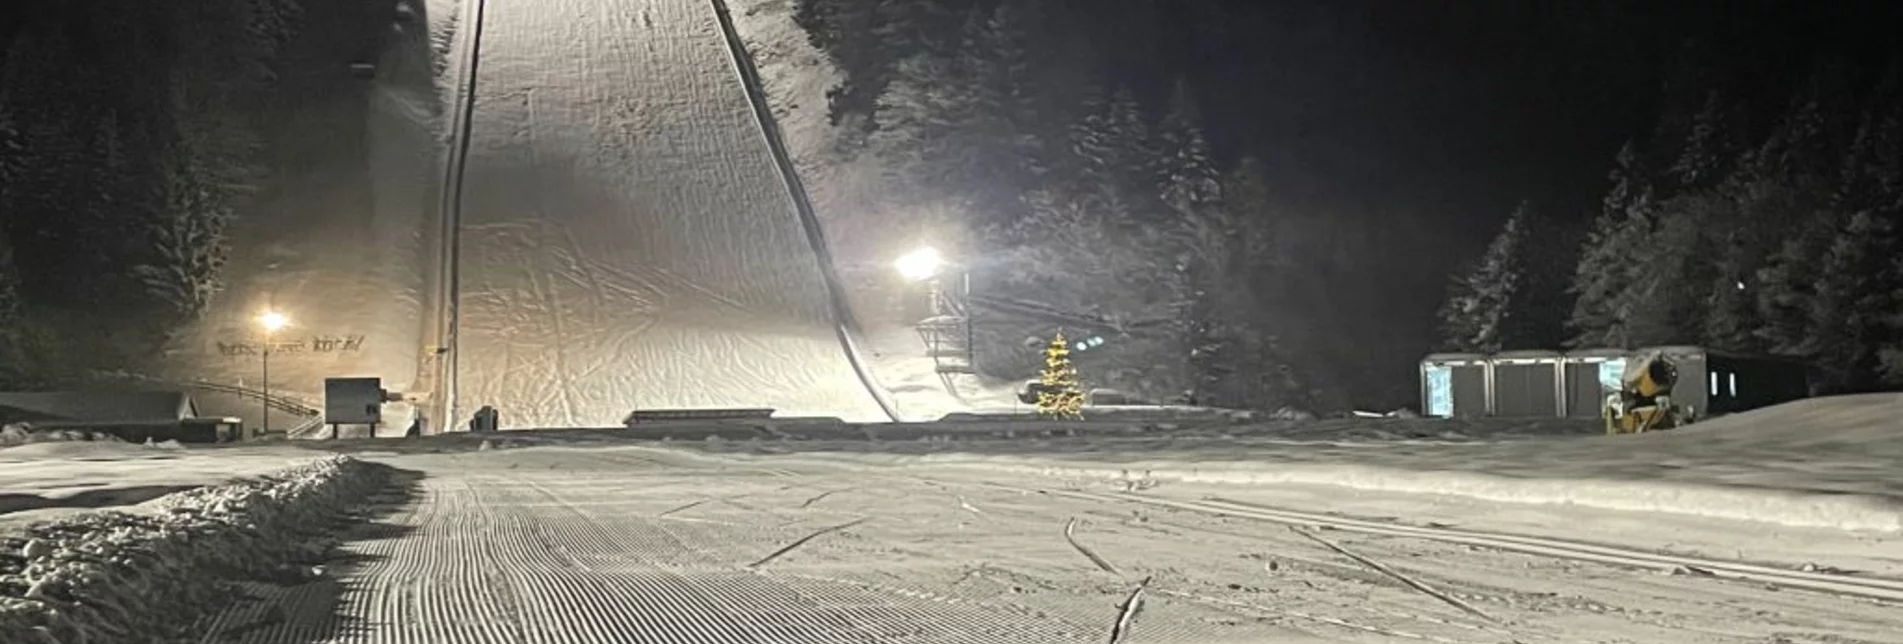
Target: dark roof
[[98, 406]]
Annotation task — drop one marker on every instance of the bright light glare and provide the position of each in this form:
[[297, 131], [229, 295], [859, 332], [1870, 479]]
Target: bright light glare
[[920, 264], [271, 321]]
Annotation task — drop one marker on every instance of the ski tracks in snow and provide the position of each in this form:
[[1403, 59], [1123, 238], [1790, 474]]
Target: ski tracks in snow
[[564, 545]]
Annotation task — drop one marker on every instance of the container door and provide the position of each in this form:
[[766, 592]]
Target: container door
[[1585, 392], [1440, 390], [1470, 391]]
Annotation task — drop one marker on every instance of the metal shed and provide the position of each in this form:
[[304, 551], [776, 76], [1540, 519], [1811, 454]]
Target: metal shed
[[1588, 376], [1716, 382], [1455, 385], [1526, 384]]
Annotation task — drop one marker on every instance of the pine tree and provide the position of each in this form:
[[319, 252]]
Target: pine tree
[[12, 144], [1004, 134], [1481, 298], [1732, 320], [1711, 146], [922, 113], [1604, 275], [188, 246], [1207, 253], [1187, 176], [1858, 293], [1112, 150], [1059, 395], [1853, 303], [1799, 184]]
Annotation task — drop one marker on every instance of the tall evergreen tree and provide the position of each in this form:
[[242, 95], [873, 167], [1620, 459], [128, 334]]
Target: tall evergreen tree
[[1606, 270], [1206, 252], [1186, 173], [1796, 170], [1480, 301], [1859, 289], [1711, 145]]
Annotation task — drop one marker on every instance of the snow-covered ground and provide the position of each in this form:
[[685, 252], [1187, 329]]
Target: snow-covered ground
[[627, 544], [911, 380], [1815, 463], [955, 532]]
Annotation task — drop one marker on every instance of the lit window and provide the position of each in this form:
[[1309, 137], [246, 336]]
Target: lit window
[[1714, 383], [1734, 384]]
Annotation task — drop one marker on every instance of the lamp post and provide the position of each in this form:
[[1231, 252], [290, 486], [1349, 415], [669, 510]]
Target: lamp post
[[926, 265], [270, 321]]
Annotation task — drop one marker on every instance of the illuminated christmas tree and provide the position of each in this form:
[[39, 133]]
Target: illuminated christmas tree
[[1058, 395]]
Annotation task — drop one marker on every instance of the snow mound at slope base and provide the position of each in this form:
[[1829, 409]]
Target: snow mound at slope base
[[112, 576]]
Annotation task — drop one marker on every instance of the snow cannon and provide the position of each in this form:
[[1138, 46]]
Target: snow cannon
[[1644, 400]]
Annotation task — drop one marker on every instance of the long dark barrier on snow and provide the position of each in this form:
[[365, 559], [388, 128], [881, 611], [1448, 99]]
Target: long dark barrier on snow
[[450, 209], [845, 325]]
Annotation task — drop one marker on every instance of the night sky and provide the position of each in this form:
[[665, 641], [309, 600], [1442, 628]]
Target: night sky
[[1455, 111]]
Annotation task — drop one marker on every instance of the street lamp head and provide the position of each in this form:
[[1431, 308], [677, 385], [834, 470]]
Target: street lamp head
[[921, 264], [272, 321]]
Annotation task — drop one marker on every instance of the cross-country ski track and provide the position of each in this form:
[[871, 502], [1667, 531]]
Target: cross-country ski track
[[558, 544]]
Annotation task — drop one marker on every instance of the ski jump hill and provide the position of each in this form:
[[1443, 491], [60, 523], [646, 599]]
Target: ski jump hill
[[627, 240], [625, 237]]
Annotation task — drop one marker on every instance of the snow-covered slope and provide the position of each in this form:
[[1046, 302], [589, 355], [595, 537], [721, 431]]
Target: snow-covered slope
[[627, 242]]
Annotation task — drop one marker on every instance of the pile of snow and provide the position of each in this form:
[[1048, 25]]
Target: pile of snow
[[22, 434], [113, 576]]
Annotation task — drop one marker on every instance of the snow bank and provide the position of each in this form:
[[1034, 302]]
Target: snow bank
[[23, 435], [1784, 507], [1822, 463], [1792, 507], [112, 576]]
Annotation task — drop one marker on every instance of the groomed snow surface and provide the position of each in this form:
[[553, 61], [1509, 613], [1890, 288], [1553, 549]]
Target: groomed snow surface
[[1020, 531]]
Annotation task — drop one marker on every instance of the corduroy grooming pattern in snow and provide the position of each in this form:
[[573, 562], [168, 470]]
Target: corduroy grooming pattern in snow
[[149, 576]]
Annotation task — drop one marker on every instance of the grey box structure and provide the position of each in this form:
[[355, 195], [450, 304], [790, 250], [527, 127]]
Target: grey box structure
[[1575, 384], [1526, 384], [1590, 375], [353, 401], [1455, 385]]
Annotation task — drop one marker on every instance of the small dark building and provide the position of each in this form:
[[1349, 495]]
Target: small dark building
[[1455, 385], [1717, 382], [133, 416], [102, 406], [1526, 384]]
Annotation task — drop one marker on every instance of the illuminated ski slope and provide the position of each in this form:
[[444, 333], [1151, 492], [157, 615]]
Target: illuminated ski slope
[[626, 239]]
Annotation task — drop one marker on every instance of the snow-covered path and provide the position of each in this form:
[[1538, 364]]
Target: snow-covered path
[[562, 544], [626, 239]]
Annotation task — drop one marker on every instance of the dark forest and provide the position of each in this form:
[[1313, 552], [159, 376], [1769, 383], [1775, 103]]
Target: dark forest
[[1292, 184]]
